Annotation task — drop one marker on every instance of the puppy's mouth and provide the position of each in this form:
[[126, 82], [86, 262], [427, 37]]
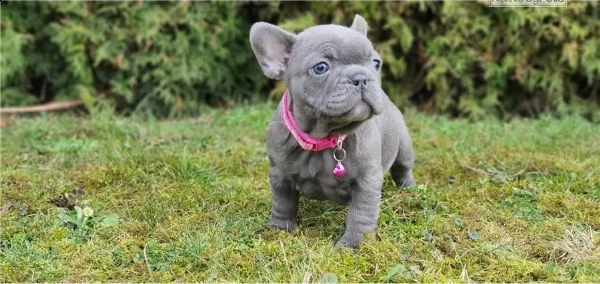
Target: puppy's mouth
[[348, 121], [357, 112], [346, 108]]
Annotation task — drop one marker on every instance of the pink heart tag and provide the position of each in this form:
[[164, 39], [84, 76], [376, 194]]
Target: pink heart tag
[[339, 170]]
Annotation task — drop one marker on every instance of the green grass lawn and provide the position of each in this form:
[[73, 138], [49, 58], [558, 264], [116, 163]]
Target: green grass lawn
[[495, 201]]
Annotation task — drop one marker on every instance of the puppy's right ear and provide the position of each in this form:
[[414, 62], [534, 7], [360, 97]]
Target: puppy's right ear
[[272, 47]]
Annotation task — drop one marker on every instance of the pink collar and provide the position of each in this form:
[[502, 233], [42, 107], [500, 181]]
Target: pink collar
[[303, 138]]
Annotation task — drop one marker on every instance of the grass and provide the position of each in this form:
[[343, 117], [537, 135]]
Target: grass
[[517, 201]]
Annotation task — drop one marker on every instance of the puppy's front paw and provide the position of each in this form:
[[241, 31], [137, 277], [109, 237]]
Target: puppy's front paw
[[283, 224], [349, 241], [408, 182], [403, 178]]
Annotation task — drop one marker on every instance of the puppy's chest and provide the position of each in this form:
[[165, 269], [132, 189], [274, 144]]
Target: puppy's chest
[[312, 175]]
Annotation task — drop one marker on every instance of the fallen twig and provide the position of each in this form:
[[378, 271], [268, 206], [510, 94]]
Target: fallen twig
[[53, 106], [518, 173], [474, 169], [147, 262]]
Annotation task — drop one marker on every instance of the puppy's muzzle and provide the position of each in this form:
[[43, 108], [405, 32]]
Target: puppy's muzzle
[[359, 81], [366, 87]]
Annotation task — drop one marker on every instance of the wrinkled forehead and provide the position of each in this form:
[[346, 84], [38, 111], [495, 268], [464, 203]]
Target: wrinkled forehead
[[334, 42]]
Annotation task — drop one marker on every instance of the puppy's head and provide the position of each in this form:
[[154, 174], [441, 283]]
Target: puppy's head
[[332, 71]]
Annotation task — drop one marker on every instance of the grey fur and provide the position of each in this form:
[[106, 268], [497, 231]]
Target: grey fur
[[347, 99]]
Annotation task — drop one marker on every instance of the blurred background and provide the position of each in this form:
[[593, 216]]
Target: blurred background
[[463, 59]]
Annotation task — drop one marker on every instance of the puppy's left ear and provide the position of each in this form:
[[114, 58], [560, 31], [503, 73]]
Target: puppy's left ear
[[359, 24]]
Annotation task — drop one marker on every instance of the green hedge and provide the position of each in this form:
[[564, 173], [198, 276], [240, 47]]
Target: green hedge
[[458, 58], [163, 56]]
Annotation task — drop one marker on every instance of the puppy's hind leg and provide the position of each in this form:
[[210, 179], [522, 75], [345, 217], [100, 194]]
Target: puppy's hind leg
[[401, 170]]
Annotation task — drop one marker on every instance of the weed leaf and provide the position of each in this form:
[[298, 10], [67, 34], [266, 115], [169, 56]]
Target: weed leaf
[[398, 269], [67, 218], [426, 235], [328, 277], [474, 235], [110, 220], [79, 212]]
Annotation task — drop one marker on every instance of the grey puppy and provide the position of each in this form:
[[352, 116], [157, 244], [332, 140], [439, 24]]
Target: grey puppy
[[335, 132]]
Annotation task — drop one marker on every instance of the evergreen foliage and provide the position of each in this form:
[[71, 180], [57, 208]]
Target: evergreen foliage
[[163, 56], [460, 58]]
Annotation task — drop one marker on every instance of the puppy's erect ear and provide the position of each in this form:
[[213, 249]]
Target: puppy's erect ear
[[359, 24], [272, 46]]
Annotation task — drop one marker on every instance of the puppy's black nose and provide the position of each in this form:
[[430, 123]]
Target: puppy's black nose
[[359, 80]]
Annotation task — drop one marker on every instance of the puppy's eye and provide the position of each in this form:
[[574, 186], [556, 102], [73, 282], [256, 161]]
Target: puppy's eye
[[320, 68], [377, 64]]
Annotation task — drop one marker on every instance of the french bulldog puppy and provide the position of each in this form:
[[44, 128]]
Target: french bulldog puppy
[[335, 132]]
